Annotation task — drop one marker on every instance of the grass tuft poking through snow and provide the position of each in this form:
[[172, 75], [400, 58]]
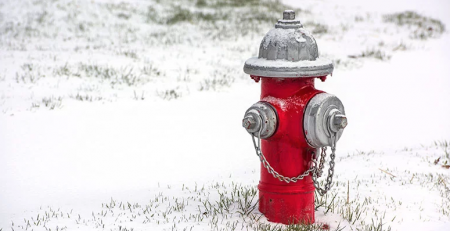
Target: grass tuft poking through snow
[[106, 51], [422, 27], [363, 198]]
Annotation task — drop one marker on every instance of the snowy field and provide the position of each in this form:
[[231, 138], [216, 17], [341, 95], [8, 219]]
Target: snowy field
[[126, 115]]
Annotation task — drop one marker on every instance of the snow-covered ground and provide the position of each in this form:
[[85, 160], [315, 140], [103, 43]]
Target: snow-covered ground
[[120, 115]]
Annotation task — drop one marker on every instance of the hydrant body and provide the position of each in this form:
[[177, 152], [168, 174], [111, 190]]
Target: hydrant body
[[291, 122], [288, 152]]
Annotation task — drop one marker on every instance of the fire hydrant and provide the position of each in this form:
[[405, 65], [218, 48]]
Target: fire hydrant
[[293, 123]]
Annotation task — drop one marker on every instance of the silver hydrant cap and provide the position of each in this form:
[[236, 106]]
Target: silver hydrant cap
[[288, 51]]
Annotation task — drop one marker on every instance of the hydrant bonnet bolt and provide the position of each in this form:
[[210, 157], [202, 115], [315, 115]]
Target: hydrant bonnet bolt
[[288, 15]]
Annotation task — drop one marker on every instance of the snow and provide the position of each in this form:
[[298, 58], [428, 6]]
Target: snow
[[277, 101], [82, 155], [262, 62], [278, 36]]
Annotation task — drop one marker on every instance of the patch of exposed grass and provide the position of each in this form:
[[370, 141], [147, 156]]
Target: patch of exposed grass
[[30, 73], [180, 15], [239, 3], [316, 29], [86, 97], [232, 11], [219, 20], [121, 28], [372, 53], [220, 80], [48, 102], [422, 27], [217, 205], [169, 94], [443, 160], [127, 75], [129, 53], [233, 206]]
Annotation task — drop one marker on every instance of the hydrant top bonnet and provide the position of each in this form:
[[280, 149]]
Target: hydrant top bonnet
[[288, 51]]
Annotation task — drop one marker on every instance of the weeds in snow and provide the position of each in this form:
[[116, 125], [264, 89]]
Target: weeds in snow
[[48, 102], [233, 206], [316, 29], [372, 53], [445, 159], [31, 73], [422, 27], [170, 94], [153, 34], [219, 206], [86, 97], [220, 80]]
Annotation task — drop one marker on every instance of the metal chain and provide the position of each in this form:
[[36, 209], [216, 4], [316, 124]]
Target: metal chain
[[314, 169], [272, 171], [322, 162], [329, 181]]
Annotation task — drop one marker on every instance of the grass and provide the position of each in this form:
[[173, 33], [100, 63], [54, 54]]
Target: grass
[[274, 5], [86, 97], [422, 27], [317, 29], [140, 33], [170, 94], [30, 73], [233, 206], [372, 53], [220, 80], [443, 160], [181, 15], [236, 204], [48, 102], [113, 75], [232, 11], [118, 47]]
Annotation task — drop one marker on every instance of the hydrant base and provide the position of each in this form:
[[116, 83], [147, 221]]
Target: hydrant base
[[287, 208]]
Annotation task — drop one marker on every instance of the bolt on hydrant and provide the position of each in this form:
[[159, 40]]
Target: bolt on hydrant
[[294, 123]]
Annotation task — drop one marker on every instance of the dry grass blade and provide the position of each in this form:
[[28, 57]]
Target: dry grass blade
[[387, 172]]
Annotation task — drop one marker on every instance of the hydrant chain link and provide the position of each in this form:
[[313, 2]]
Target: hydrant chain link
[[269, 168], [314, 169], [322, 161], [317, 174]]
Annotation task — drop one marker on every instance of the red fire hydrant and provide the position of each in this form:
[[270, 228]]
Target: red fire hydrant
[[293, 123]]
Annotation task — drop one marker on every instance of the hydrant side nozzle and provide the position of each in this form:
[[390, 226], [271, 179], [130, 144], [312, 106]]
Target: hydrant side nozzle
[[324, 115], [261, 116]]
